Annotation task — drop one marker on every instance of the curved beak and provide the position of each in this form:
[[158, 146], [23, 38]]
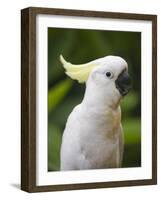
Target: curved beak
[[123, 83]]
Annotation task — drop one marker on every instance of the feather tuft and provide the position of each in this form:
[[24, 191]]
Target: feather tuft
[[77, 72]]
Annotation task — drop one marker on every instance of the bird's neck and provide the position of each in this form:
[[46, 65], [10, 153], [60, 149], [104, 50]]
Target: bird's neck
[[100, 100]]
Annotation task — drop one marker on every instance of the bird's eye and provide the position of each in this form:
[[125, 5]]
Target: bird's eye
[[109, 74]]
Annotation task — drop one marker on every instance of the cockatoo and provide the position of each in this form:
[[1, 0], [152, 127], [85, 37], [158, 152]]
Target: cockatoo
[[93, 135]]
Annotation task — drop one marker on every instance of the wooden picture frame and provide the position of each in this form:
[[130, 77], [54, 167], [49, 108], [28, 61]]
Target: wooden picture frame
[[28, 98]]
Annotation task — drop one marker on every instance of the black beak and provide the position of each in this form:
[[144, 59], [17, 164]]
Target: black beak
[[123, 83]]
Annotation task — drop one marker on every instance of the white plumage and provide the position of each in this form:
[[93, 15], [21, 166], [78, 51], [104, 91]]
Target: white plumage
[[93, 136]]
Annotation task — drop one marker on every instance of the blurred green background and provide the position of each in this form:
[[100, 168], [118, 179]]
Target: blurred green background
[[78, 47]]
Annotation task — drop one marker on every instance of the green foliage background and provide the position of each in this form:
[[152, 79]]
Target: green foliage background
[[78, 47]]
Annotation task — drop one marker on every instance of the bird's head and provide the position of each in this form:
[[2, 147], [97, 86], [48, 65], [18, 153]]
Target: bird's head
[[109, 74]]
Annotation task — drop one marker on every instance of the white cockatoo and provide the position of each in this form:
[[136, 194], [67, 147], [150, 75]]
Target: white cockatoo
[[93, 136]]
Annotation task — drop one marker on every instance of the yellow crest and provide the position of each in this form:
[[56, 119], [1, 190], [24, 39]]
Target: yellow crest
[[77, 72]]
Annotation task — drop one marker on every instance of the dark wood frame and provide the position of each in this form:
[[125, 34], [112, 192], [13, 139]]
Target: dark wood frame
[[28, 98]]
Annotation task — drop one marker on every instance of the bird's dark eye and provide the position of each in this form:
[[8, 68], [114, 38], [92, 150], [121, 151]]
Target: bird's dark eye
[[109, 74]]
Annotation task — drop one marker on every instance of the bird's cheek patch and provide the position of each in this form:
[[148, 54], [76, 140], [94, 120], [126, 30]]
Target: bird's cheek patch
[[94, 75], [97, 77]]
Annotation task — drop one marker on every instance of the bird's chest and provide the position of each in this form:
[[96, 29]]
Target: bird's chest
[[101, 126], [99, 143], [100, 152]]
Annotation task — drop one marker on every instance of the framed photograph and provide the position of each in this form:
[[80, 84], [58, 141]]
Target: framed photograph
[[88, 99]]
